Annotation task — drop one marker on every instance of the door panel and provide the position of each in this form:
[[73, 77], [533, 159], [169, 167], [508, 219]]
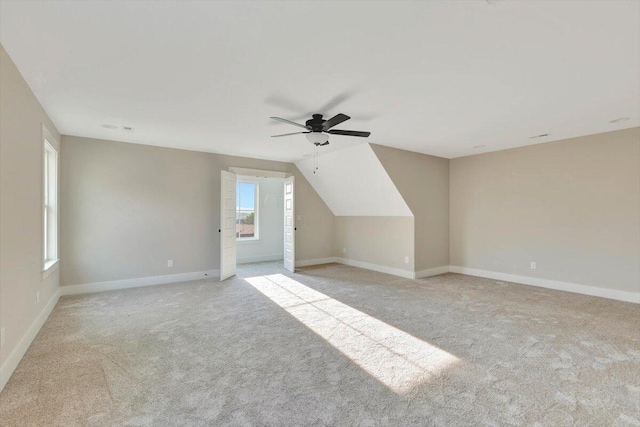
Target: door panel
[[289, 225], [228, 225]]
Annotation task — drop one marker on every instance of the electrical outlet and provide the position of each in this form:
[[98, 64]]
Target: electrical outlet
[[37, 297], [344, 250], [406, 260], [170, 263], [1, 337], [533, 265]]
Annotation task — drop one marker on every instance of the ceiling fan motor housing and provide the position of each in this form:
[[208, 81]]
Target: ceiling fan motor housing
[[316, 123]]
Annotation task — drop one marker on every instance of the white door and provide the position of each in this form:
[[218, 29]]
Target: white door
[[228, 225], [289, 226]]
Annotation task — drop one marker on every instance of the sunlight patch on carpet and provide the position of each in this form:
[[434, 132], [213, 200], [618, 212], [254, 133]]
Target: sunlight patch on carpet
[[397, 359]]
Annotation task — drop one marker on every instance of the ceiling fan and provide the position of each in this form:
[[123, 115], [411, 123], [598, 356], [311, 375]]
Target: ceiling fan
[[317, 129]]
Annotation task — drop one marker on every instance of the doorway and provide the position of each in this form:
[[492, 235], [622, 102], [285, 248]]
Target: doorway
[[257, 219]]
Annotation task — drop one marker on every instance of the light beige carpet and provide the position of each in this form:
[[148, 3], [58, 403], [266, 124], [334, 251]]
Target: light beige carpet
[[331, 345]]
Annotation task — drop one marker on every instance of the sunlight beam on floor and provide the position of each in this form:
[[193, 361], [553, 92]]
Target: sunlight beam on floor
[[395, 358]]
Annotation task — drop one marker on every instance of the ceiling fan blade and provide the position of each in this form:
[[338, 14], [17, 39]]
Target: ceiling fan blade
[[335, 120], [335, 101], [349, 132], [287, 134], [290, 122], [281, 101]]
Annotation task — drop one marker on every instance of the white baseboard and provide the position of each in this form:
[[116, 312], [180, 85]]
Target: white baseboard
[[551, 284], [432, 272], [16, 355], [259, 258], [316, 261], [525, 280], [376, 267], [138, 282]]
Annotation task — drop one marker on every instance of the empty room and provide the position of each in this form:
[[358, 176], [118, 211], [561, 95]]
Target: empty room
[[320, 213]]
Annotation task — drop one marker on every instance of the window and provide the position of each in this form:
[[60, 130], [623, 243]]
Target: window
[[246, 210], [50, 211]]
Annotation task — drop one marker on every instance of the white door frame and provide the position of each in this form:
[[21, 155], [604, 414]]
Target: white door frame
[[289, 225], [227, 225], [228, 257]]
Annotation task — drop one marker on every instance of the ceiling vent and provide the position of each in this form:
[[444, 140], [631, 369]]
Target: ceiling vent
[[620, 120], [542, 135]]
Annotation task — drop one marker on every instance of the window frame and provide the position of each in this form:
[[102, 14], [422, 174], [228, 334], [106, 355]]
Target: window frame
[[50, 197], [256, 203]]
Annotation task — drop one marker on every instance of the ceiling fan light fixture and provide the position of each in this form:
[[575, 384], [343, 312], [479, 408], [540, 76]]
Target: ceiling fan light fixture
[[317, 137]]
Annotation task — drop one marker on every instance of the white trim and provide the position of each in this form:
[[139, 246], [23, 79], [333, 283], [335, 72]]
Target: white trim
[[247, 240], [376, 267], [10, 365], [316, 261], [259, 173], [432, 272], [614, 294], [49, 201], [259, 258], [137, 282], [49, 267], [551, 284], [373, 267]]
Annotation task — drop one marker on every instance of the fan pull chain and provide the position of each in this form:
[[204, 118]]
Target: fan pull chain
[[315, 158]]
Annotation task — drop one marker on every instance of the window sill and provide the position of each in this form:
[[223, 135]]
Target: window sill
[[49, 267], [248, 240]]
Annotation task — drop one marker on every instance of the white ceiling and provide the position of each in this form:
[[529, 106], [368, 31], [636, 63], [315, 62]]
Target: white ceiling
[[365, 187], [435, 77]]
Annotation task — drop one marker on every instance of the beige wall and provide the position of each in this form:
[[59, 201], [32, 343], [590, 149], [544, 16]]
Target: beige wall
[[571, 206], [423, 182], [21, 190], [127, 209], [376, 240]]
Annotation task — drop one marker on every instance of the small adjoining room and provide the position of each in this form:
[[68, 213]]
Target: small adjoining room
[[357, 213]]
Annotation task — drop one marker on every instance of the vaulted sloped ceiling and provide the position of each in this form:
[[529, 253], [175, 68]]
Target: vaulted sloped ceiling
[[445, 78], [353, 182]]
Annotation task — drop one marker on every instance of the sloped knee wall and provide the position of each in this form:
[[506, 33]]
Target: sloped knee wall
[[423, 182], [374, 225]]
